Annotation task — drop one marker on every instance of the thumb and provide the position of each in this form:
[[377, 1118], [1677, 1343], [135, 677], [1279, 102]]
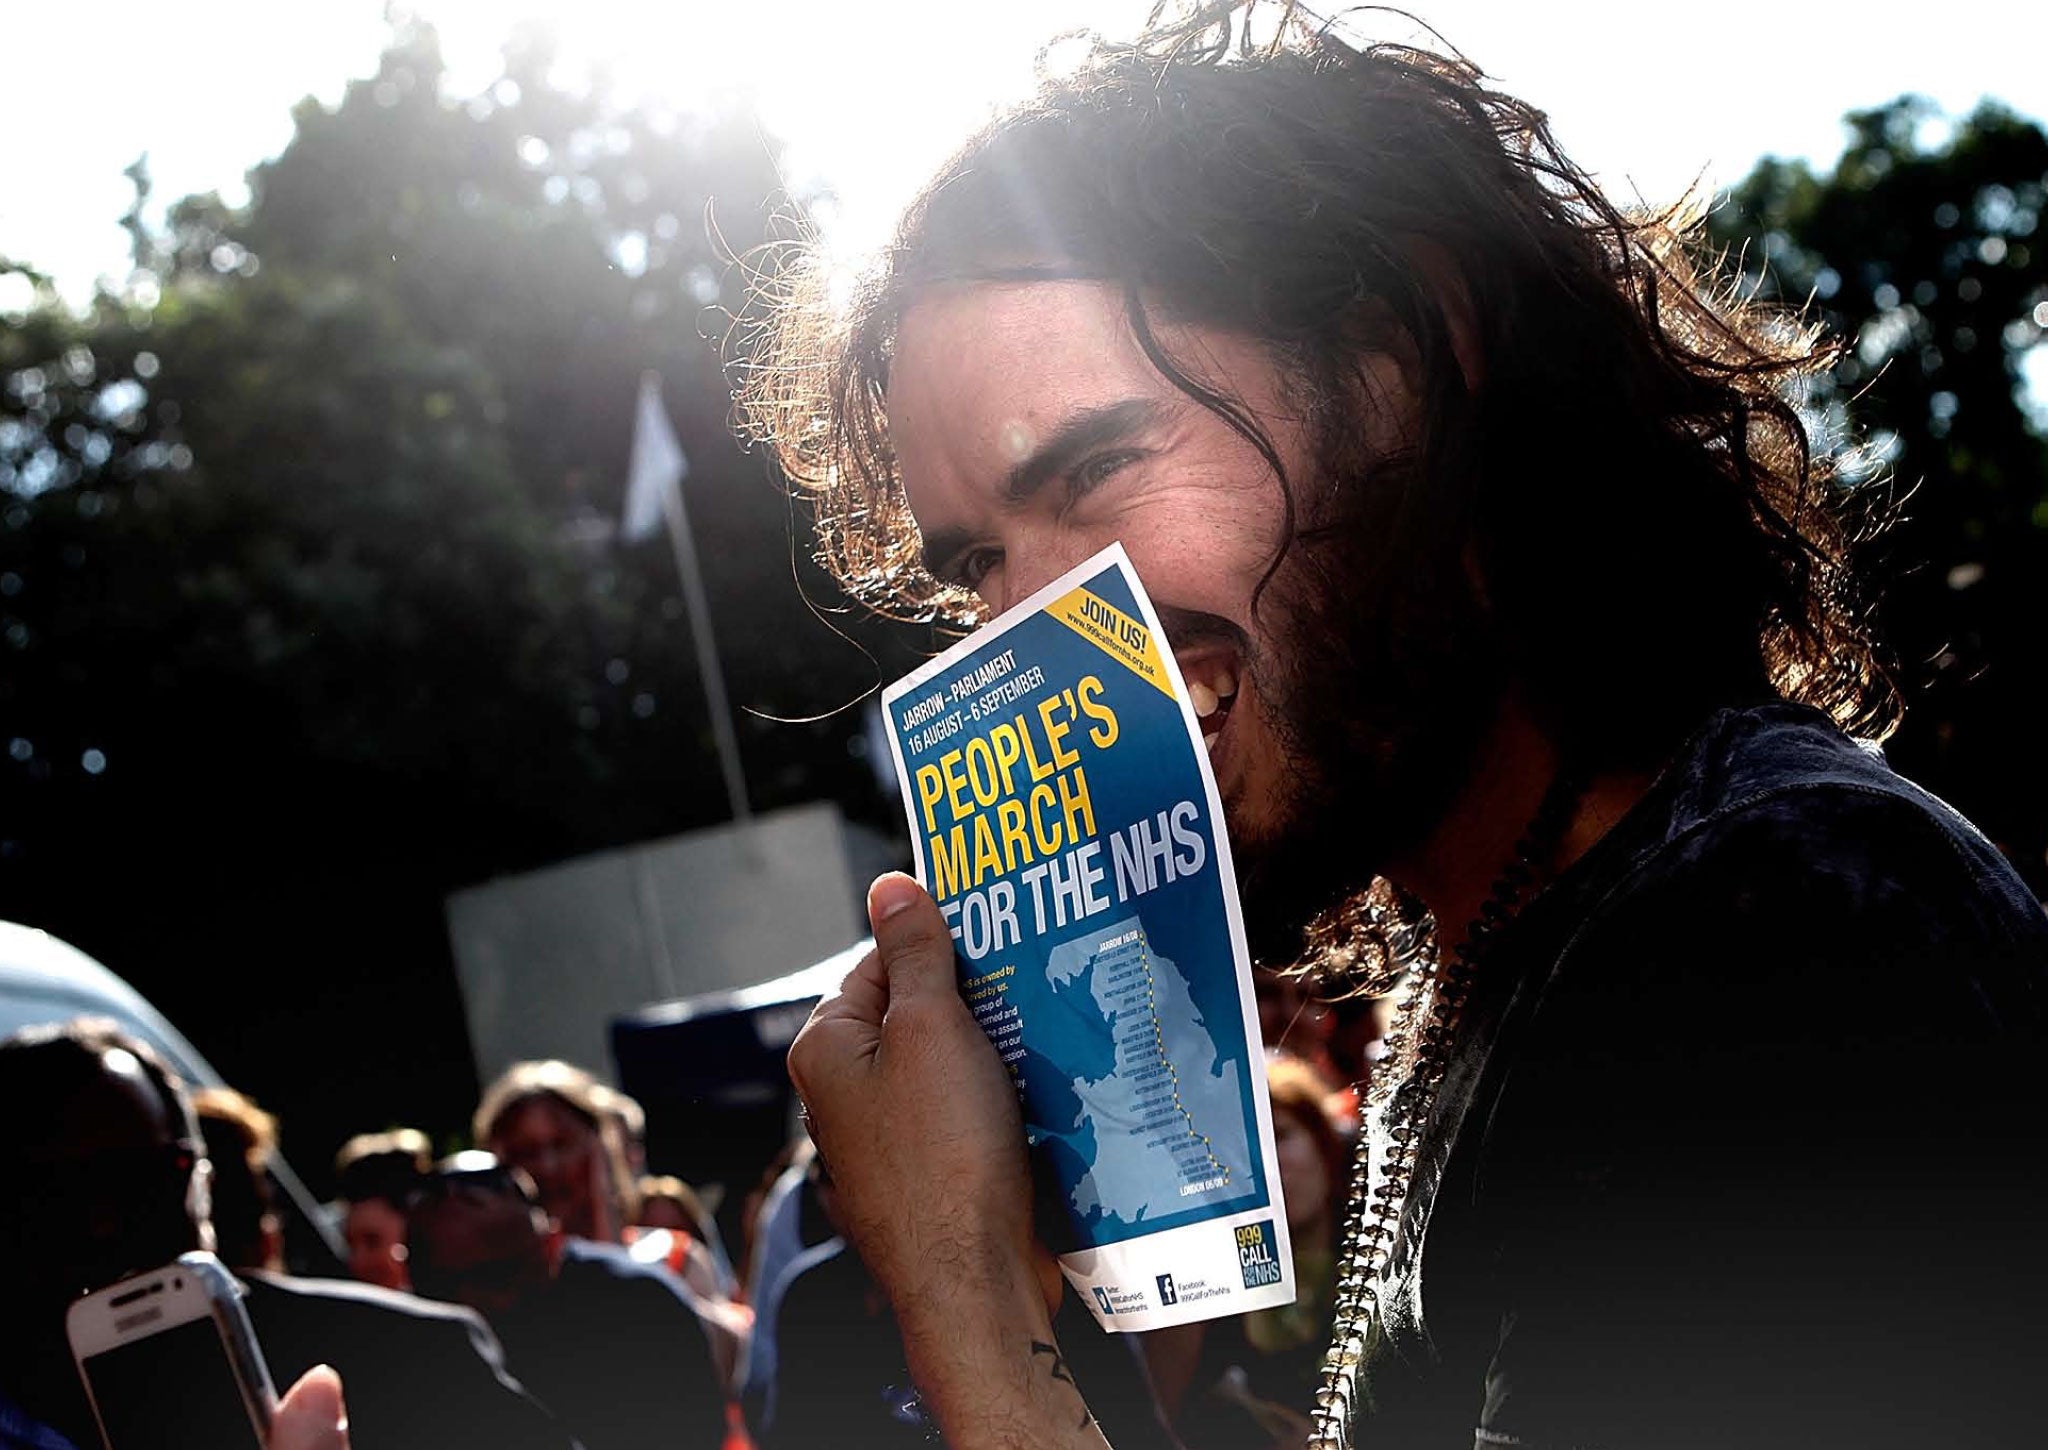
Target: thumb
[[911, 937], [311, 1416]]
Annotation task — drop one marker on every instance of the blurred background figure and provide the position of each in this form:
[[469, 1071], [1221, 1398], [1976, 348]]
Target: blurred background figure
[[1242, 1383], [378, 1174], [631, 1120], [766, 1238], [240, 1139], [825, 1363], [669, 1203], [1292, 1020], [1339, 1040], [615, 1347], [789, 1234], [567, 1132], [110, 1178], [106, 1177], [577, 1140], [674, 1226]]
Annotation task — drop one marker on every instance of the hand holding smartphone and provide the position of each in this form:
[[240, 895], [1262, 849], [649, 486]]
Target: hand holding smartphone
[[170, 1361]]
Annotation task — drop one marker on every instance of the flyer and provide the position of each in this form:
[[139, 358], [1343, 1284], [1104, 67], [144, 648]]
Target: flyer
[[1067, 823]]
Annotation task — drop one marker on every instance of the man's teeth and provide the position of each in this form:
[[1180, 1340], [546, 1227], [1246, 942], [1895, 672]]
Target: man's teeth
[[1204, 699]]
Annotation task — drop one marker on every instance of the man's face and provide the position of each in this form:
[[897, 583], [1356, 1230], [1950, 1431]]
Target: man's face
[[374, 1229], [1031, 430], [563, 1155]]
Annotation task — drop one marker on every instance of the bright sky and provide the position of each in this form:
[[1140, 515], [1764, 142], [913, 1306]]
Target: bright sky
[[871, 95]]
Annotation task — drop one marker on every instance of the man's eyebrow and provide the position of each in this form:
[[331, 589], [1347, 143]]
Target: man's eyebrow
[[1077, 435]]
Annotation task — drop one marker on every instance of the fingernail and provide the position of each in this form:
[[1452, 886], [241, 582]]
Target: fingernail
[[889, 895]]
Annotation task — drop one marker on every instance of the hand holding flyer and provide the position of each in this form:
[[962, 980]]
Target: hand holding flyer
[[1067, 823]]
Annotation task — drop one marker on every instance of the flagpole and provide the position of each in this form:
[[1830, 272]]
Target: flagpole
[[685, 548]]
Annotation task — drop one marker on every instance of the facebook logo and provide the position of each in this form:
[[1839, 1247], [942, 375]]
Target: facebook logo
[[1166, 1294], [1102, 1298]]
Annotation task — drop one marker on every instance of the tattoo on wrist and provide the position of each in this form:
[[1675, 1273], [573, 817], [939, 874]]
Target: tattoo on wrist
[[1059, 1372]]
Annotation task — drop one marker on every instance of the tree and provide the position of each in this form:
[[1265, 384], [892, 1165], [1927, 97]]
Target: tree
[[1924, 256], [308, 613]]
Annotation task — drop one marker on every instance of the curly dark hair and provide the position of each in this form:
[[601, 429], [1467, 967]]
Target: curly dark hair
[[1620, 450]]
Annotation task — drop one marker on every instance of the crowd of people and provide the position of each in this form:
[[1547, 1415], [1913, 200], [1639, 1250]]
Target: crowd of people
[[542, 1288]]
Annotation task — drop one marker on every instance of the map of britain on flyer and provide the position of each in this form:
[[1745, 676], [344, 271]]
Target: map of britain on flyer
[[1067, 823]]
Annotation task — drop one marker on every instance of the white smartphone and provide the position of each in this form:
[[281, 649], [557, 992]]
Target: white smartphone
[[170, 1363]]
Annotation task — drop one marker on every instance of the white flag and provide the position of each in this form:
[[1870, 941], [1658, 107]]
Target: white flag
[[658, 465], [653, 494]]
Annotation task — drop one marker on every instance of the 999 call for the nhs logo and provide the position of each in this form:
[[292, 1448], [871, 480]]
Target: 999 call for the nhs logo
[[1256, 1254]]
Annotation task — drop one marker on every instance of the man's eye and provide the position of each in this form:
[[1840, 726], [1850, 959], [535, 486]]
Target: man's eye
[[974, 566], [1098, 470]]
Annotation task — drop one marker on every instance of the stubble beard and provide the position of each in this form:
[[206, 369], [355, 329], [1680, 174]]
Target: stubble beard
[[1379, 725]]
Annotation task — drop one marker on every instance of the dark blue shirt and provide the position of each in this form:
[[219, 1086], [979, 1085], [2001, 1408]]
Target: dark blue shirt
[[1745, 1142]]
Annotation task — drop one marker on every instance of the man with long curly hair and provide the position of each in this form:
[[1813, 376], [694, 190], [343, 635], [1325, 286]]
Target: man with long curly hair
[[1487, 533]]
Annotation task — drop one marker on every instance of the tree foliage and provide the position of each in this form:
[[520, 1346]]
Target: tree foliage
[[309, 607], [310, 611], [1922, 249]]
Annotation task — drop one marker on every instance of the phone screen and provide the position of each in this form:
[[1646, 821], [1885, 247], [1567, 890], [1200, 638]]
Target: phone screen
[[171, 1391]]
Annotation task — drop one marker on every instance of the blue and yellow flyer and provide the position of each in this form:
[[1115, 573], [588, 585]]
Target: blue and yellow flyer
[[1068, 825]]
